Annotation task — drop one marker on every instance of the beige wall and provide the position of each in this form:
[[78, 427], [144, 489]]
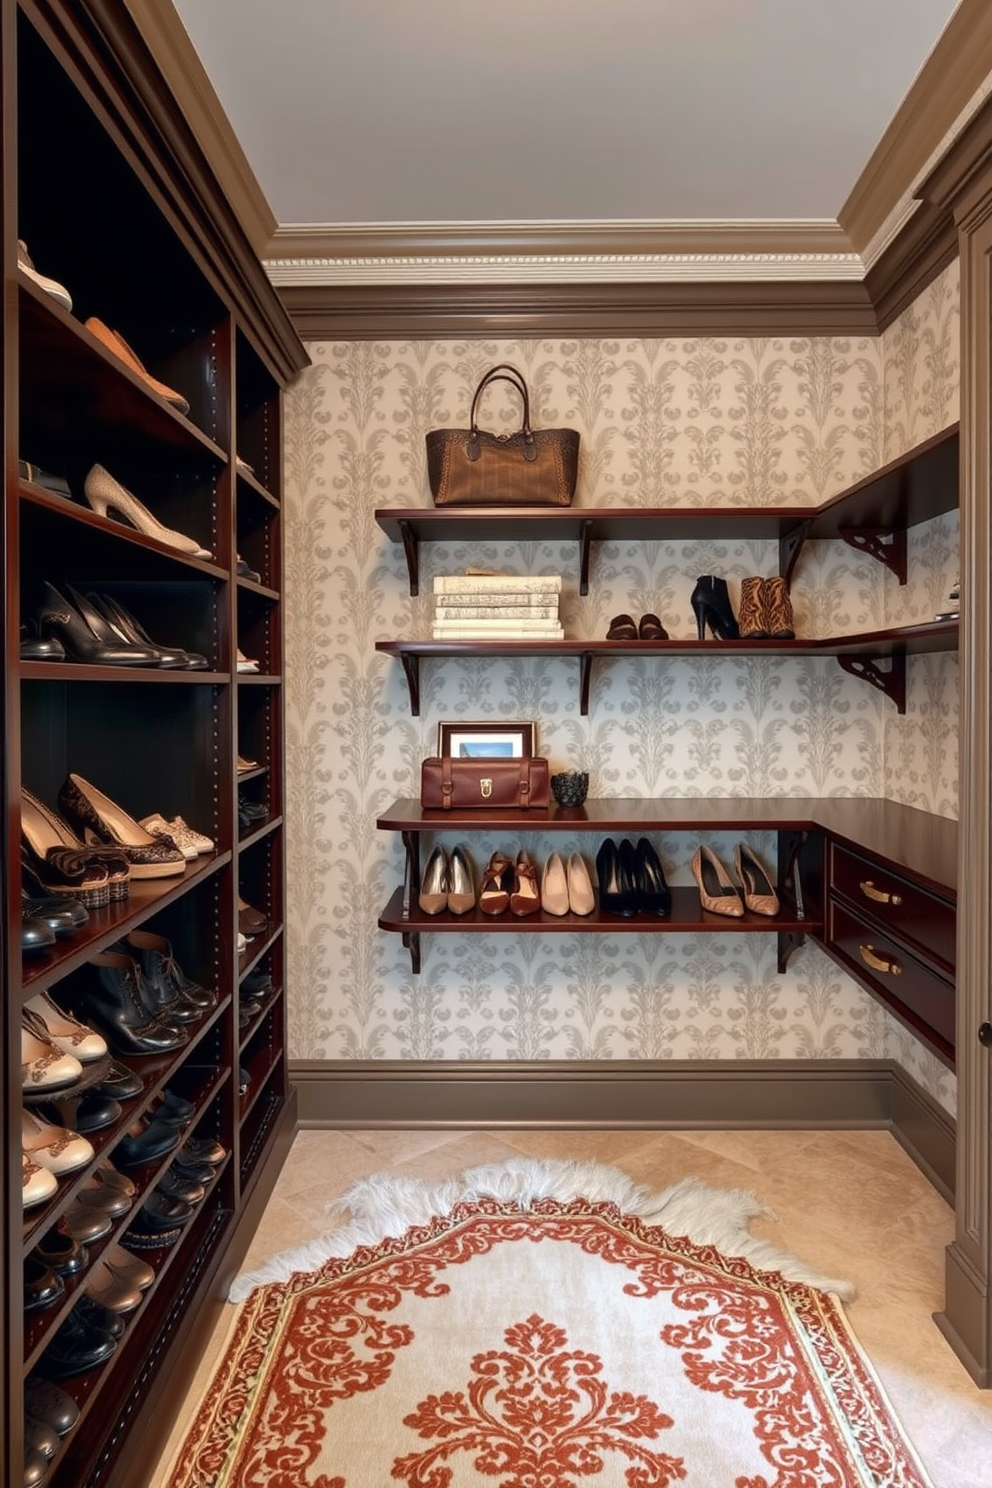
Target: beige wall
[[683, 422]]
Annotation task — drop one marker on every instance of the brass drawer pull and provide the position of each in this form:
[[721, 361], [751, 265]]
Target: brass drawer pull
[[892, 968], [879, 895]]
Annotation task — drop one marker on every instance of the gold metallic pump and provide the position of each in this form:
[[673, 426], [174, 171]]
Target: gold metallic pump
[[759, 892], [433, 897], [461, 882]]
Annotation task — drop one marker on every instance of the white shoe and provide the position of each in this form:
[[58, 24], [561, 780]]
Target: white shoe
[[189, 842], [64, 1032], [53, 1147], [44, 1067], [37, 1183], [108, 498], [50, 286]]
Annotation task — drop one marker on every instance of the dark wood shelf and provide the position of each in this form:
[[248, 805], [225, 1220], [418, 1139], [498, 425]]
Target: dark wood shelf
[[871, 515], [76, 393], [858, 654], [915, 840], [687, 917]]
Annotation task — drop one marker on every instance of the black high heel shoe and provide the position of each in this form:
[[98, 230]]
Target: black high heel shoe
[[711, 606], [71, 621], [131, 629], [653, 894], [615, 875]]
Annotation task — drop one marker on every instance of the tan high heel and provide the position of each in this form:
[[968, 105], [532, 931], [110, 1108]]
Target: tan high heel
[[716, 892], [461, 882], [581, 899], [554, 886], [118, 347], [525, 898], [759, 892], [108, 498], [494, 892]]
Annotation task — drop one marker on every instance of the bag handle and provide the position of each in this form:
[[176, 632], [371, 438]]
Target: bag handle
[[516, 380]]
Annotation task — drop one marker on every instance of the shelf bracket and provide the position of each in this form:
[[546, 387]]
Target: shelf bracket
[[789, 548], [789, 941], [411, 549], [892, 682], [887, 547], [411, 943], [585, 545], [411, 666], [585, 675]]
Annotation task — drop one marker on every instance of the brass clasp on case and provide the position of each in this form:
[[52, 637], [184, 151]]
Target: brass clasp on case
[[891, 968], [880, 896]]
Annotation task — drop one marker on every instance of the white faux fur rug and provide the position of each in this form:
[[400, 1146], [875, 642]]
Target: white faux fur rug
[[382, 1206]]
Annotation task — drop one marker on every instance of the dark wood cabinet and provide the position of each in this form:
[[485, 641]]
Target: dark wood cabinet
[[113, 200]]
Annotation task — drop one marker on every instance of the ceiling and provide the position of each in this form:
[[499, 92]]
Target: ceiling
[[536, 111]]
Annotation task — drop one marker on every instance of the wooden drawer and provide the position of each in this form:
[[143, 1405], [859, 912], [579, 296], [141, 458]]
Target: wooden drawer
[[911, 990], [897, 903]]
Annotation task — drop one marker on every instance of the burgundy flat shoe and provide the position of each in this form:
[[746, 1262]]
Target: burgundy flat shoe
[[622, 628], [651, 629]]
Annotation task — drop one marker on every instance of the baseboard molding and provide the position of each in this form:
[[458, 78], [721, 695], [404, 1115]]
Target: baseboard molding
[[718, 1094]]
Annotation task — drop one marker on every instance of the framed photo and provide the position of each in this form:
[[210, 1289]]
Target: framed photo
[[486, 740]]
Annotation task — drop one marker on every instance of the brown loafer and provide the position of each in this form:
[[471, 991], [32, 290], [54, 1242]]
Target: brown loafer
[[651, 629], [622, 628]]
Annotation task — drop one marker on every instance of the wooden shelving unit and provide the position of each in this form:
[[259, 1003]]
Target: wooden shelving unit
[[106, 188]]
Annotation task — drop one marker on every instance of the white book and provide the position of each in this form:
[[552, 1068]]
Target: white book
[[496, 612], [532, 598], [473, 633], [486, 583]]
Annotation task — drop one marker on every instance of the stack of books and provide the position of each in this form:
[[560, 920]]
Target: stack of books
[[497, 607]]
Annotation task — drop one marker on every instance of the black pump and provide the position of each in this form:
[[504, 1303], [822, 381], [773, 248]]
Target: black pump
[[711, 606], [653, 894]]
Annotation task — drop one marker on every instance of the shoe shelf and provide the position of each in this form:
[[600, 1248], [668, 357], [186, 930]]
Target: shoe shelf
[[147, 898], [77, 393], [915, 845], [872, 515], [860, 655]]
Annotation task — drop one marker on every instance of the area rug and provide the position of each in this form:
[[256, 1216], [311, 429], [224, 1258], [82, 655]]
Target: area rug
[[543, 1325]]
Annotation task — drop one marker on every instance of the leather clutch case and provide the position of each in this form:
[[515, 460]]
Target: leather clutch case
[[449, 784]]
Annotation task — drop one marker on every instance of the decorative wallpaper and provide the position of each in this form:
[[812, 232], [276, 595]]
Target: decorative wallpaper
[[702, 421]]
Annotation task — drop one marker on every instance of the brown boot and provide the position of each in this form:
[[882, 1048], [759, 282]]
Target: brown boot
[[753, 617], [781, 624]]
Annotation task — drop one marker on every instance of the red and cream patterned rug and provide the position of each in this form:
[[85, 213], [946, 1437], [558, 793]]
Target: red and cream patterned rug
[[544, 1325]]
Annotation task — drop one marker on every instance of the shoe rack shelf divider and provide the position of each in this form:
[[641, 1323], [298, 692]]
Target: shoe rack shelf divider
[[872, 516], [109, 190]]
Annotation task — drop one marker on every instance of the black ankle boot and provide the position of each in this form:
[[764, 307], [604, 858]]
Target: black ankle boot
[[711, 606], [176, 995], [653, 894], [114, 1003]]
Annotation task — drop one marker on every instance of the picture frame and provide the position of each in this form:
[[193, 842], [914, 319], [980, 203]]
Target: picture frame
[[486, 740]]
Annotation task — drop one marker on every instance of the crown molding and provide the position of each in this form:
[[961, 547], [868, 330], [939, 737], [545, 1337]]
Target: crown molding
[[168, 41], [557, 252], [940, 100], [717, 308]]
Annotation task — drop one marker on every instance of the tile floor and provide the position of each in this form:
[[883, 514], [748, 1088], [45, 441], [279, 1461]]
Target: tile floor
[[849, 1203]]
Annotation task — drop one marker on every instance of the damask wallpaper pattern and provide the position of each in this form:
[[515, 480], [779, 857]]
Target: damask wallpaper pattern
[[702, 421]]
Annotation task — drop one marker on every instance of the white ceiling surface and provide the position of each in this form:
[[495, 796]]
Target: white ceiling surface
[[582, 111]]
